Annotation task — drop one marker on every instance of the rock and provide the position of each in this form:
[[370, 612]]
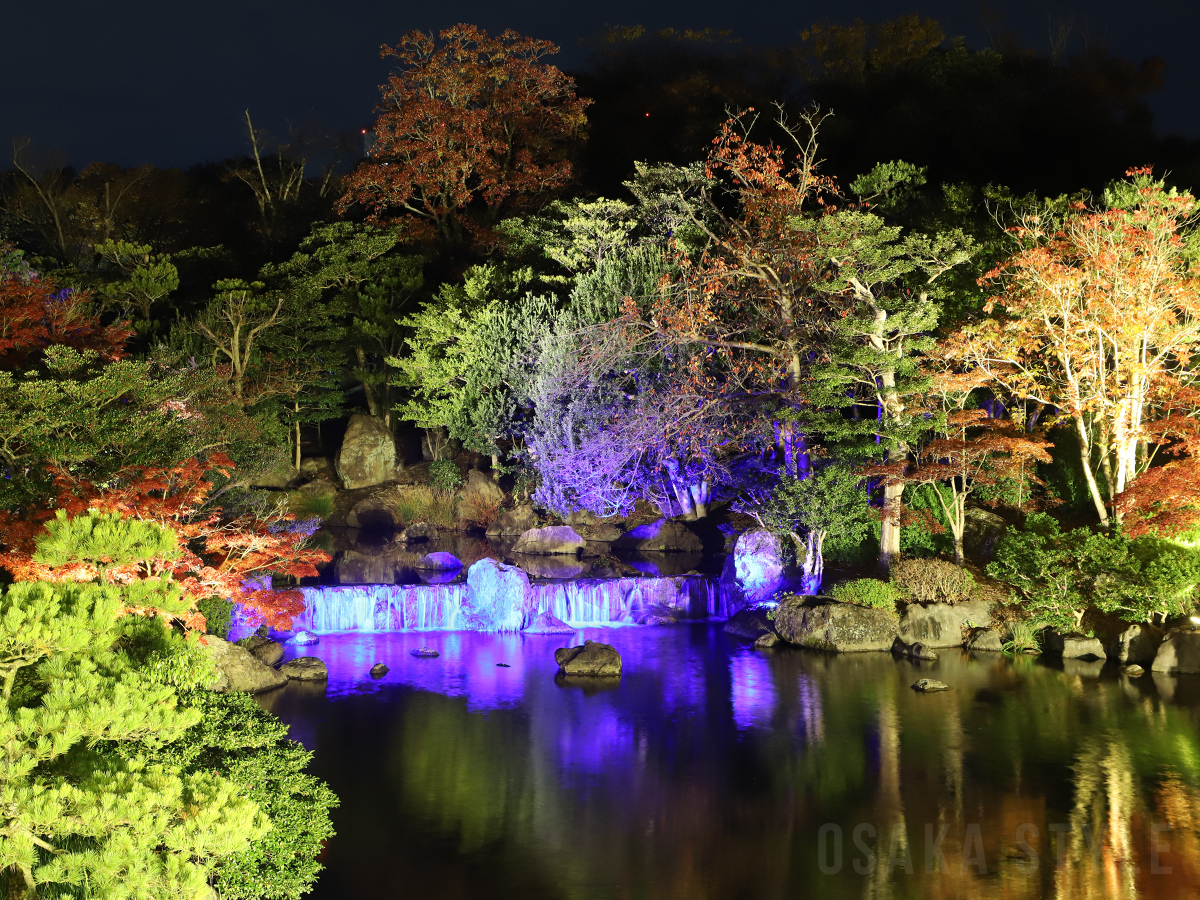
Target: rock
[[518, 520], [371, 514], [353, 567], [929, 685], [657, 619], [314, 465], [303, 639], [591, 659], [368, 453], [483, 486], [915, 650], [556, 539], [1133, 671], [546, 623], [269, 653], [942, 624], [581, 517], [1083, 668], [550, 566], [983, 531], [753, 572], [424, 653], [277, 477], [379, 670], [417, 531], [238, 670], [984, 639], [440, 561], [664, 536], [830, 625], [1074, 646], [1178, 653], [305, 668], [604, 533], [766, 641], [1138, 644], [750, 623], [499, 597]]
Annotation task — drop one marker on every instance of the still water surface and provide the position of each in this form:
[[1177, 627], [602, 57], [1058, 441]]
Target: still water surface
[[716, 771]]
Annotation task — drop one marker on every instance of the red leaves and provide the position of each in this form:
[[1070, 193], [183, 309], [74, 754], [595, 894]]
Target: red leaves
[[474, 118], [33, 315], [1164, 500]]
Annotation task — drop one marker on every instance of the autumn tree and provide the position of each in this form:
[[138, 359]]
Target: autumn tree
[[1097, 314], [470, 127]]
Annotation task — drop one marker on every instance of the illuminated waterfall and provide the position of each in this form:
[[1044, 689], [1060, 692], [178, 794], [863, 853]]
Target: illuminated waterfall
[[422, 607]]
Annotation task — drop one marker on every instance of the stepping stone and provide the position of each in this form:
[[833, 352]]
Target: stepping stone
[[929, 685]]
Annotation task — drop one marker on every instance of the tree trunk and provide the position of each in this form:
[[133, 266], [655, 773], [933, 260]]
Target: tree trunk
[[1085, 456], [372, 405], [889, 534], [495, 467], [296, 455]]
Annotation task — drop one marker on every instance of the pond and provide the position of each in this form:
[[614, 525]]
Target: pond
[[712, 770]]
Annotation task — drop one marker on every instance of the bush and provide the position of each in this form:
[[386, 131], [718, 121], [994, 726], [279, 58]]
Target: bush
[[479, 510], [444, 475], [218, 616], [869, 592], [932, 581], [249, 746]]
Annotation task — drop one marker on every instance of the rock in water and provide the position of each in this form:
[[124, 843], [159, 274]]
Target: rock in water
[[424, 653], [915, 650], [767, 640], [305, 668], [379, 670], [942, 624], [753, 572], [749, 623], [371, 514], [554, 540], [368, 454], [515, 521], [1075, 646], [663, 536], [440, 561], [1138, 643], [929, 685], [546, 623], [303, 639], [238, 670], [829, 625], [1179, 652], [591, 659], [984, 639], [417, 531], [499, 597], [269, 653], [1133, 671]]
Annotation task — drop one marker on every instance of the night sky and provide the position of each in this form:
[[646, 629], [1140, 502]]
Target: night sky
[[166, 83]]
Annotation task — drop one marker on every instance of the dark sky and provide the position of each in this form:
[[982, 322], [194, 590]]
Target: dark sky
[[132, 81]]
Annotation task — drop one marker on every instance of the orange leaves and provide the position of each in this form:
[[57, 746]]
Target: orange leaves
[[33, 315], [1165, 500]]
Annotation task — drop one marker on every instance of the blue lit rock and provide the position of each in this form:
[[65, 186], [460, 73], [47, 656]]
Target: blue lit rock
[[754, 571], [546, 623], [499, 597], [663, 536], [303, 639], [592, 659], [439, 562], [424, 653], [552, 540]]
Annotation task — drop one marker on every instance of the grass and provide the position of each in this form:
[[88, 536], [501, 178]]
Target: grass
[[1022, 636], [422, 503], [304, 505], [480, 510]]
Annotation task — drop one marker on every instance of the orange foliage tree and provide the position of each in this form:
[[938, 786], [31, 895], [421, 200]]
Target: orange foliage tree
[[1098, 315], [469, 120]]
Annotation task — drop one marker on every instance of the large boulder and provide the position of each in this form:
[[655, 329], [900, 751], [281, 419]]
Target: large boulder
[[372, 514], [749, 623], [368, 454], [591, 659], [518, 520], [663, 536], [238, 670], [277, 477], [305, 668], [982, 532], [942, 624], [822, 624], [1137, 644], [546, 623], [984, 639], [604, 533], [554, 540], [483, 486], [1179, 653], [499, 597], [1074, 646], [754, 572], [266, 651]]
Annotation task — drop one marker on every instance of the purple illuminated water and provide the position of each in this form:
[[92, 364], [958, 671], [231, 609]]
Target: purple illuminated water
[[709, 770]]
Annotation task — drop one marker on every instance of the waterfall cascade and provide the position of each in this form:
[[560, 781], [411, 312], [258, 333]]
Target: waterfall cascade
[[394, 607]]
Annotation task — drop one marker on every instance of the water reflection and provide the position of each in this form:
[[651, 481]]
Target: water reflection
[[717, 771]]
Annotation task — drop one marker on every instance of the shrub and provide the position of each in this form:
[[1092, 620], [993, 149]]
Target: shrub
[[442, 509], [444, 475], [409, 505], [869, 592], [932, 581], [1022, 636], [306, 505], [218, 616], [479, 510]]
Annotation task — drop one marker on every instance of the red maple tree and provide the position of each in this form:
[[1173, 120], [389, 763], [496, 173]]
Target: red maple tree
[[469, 119]]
